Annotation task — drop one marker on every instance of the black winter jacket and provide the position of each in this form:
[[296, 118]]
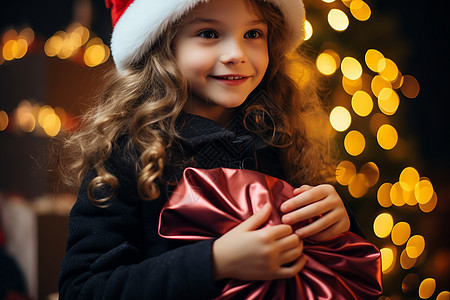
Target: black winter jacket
[[116, 252]]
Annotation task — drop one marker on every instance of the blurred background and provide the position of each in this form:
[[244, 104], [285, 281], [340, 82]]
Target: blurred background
[[385, 68]]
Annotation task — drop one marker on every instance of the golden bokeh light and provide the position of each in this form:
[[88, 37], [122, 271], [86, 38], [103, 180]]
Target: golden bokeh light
[[44, 111], [390, 70], [4, 120], [388, 101], [408, 179], [409, 197], [53, 46], [398, 82], [10, 49], [326, 64], [352, 86], [27, 34], [387, 137], [407, 262], [27, 122], [387, 259], [400, 233], [382, 225], [410, 87], [374, 60], [51, 124], [396, 195], [351, 68], [384, 195], [22, 48], [358, 186], [328, 1], [354, 143], [423, 191], [362, 103], [360, 10], [308, 30], [379, 83], [430, 205], [94, 55], [415, 246], [444, 295], [371, 173], [338, 20], [427, 288], [345, 172], [340, 118]]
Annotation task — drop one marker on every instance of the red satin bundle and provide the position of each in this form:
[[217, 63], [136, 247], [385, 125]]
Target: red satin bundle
[[208, 203]]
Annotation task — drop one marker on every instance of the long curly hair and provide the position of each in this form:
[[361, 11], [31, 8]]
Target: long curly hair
[[143, 101]]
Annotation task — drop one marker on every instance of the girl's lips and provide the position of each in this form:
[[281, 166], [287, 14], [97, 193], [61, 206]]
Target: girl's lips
[[232, 79]]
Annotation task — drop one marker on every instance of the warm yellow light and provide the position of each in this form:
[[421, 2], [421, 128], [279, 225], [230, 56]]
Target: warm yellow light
[[371, 173], [444, 295], [400, 233], [51, 124], [360, 10], [4, 120], [407, 262], [27, 122], [44, 111], [387, 137], [387, 259], [308, 30], [430, 205], [415, 246], [340, 118], [379, 83], [409, 177], [22, 48], [384, 195], [53, 46], [388, 101], [351, 68], [351, 86], [338, 20], [423, 191], [410, 87], [10, 49], [67, 49], [358, 186], [409, 197], [94, 55], [396, 195], [427, 288], [390, 70], [326, 64], [83, 32], [382, 226], [328, 1], [362, 103], [27, 34], [354, 143], [373, 58], [345, 172]]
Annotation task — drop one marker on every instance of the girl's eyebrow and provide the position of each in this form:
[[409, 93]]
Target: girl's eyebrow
[[215, 21]]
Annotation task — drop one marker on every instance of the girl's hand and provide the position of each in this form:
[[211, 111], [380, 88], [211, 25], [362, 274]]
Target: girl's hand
[[321, 201], [248, 253]]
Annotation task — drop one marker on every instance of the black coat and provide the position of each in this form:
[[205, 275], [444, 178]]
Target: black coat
[[116, 252]]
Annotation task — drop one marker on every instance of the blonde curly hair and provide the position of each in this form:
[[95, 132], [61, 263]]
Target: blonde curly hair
[[143, 101]]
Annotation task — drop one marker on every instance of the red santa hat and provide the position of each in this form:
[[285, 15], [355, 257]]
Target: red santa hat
[[138, 24]]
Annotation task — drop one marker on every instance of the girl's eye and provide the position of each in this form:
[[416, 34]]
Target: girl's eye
[[208, 34], [253, 34]]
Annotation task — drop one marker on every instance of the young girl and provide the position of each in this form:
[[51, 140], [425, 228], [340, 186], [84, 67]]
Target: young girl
[[202, 84]]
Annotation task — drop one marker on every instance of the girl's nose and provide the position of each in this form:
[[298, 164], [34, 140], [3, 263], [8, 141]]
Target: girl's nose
[[233, 52]]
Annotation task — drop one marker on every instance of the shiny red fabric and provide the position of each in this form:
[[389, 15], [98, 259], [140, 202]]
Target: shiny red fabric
[[208, 203]]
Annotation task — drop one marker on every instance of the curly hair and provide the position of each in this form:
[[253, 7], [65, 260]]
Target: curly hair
[[143, 102]]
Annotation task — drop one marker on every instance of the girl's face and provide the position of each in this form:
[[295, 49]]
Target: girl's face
[[222, 50]]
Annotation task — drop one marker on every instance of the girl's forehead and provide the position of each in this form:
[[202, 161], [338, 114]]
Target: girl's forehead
[[224, 9]]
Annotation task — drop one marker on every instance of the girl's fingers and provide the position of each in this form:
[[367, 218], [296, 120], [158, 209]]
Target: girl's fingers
[[290, 271], [312, 210], [307, 197], [302, 189], [291, 254], [288, 242], [256, 220]]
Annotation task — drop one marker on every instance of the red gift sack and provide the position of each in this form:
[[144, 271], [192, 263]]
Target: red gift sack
[[208, 203]]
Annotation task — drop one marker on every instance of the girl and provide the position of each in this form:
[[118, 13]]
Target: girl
[[201, 84]]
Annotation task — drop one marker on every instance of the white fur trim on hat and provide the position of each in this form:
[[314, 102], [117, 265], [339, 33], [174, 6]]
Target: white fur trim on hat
[[144, 20]]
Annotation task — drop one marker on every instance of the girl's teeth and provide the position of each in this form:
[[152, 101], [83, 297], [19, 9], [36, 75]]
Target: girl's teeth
[[233, 78]]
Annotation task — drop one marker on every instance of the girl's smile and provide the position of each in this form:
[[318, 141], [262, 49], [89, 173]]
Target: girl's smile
[[222, 51]]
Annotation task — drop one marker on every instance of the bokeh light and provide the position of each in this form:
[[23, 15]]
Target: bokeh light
[[354, 143], [378, 84], [396, 195], [387, 259], [423, 191], [358, 186], [4, 120], [407, 262], [338, 20], [360, 10], [444, 295], [387, 137], [390, 70], [408, 179], [400, 233], [410, 87], [430, 205], [383, 195], [352, 86], [340, 118], [388, 101], [382, 226], [308, 30], [351, 68], [427, 288], [345, 172], [415, 246], [371, 173], [362, 103], [326, 63]]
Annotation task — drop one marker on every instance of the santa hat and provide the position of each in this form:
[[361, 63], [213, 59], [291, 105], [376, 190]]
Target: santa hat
[[138, 24]]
